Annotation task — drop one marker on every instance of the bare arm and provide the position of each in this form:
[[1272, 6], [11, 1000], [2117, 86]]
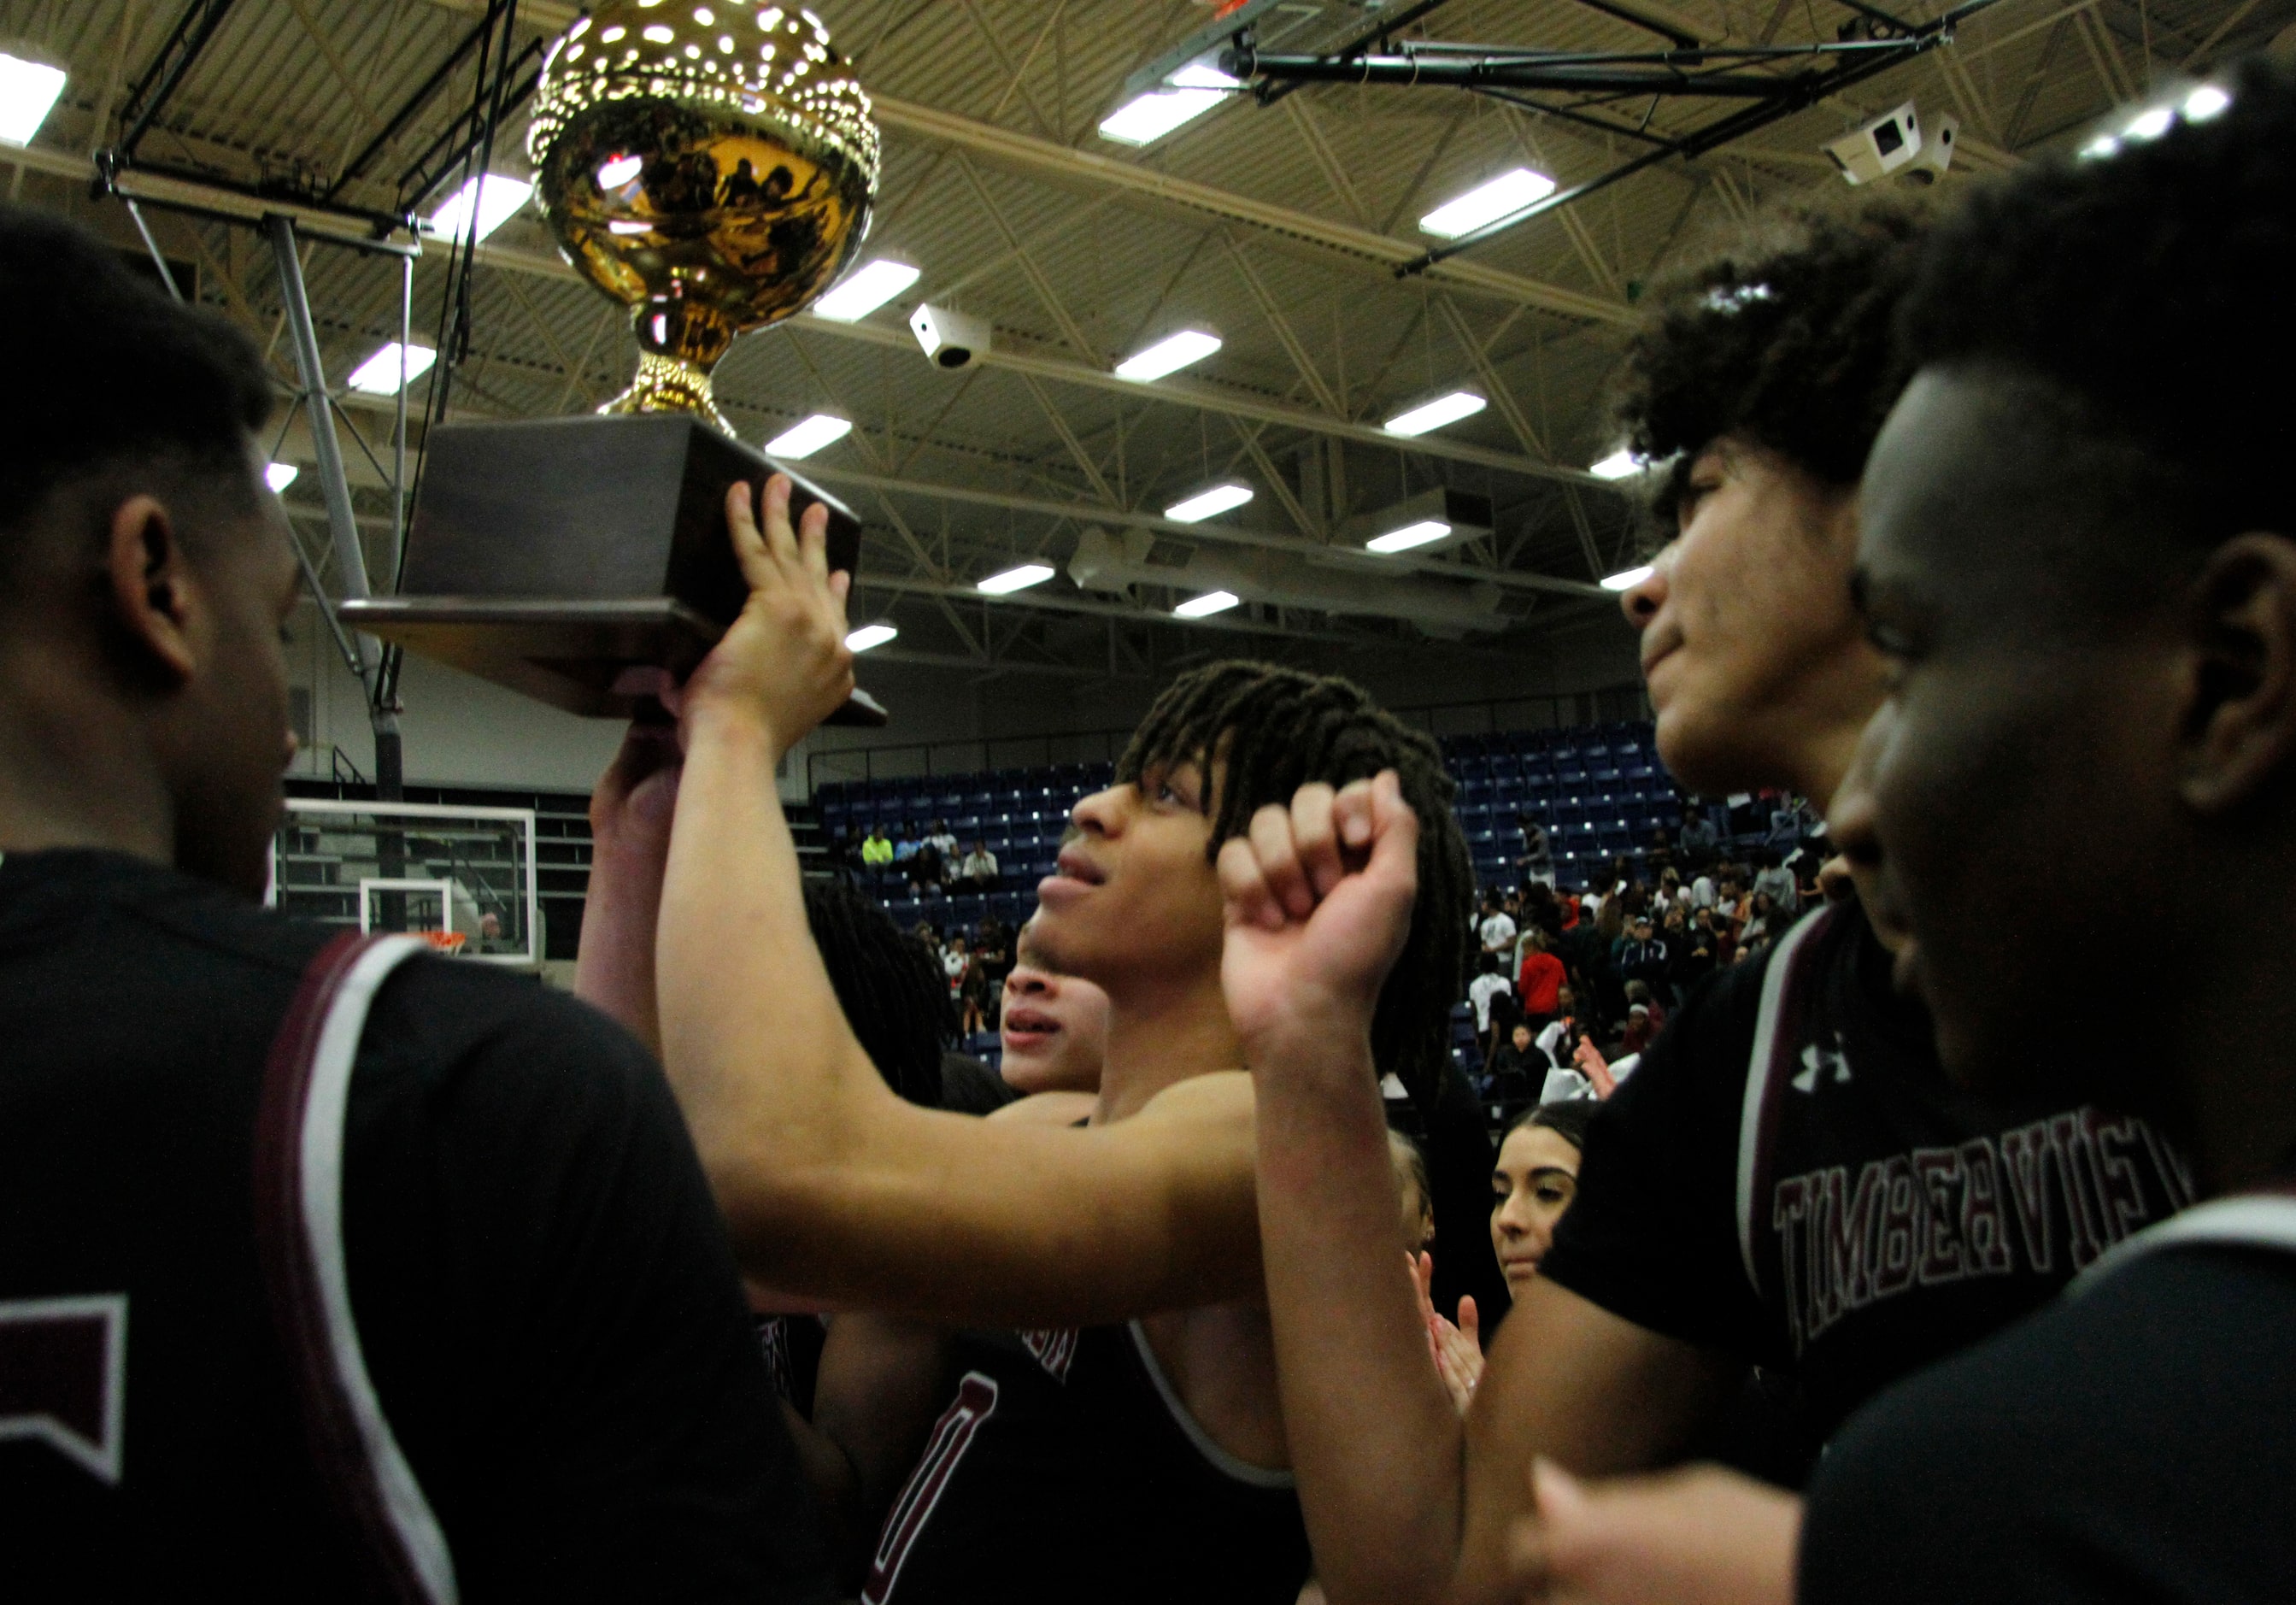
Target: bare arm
[[834, 1187], [882, 1383], [1405, 1505]]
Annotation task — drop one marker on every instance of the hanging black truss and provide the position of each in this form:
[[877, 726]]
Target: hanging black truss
[[174, 58], [412, 107], [1773, 81]]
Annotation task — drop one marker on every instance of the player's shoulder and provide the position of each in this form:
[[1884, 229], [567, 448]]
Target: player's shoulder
[[1219, 1102]]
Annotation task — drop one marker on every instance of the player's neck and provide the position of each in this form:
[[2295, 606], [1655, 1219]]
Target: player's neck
[[1159, 1034], [76, 772]]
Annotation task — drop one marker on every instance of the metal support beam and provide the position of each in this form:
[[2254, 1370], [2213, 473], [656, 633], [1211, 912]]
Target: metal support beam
[[350, 558], [176, 53]]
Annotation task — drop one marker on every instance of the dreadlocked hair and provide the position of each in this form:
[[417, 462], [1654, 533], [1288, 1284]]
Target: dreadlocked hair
[[1272, 730], [892, 992], [1783, 340]]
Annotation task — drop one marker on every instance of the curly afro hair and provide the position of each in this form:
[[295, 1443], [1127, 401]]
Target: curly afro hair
[[1783, 340], [1275, 730], [2147, 290]]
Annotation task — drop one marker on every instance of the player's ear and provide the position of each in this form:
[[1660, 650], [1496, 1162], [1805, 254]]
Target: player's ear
[[154, 597], [2239, 726]]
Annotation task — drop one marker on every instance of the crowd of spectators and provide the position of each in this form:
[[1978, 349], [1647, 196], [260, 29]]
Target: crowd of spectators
[[925, 857]]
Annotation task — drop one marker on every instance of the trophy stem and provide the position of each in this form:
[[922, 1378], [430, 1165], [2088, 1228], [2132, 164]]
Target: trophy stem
[[671, 384]]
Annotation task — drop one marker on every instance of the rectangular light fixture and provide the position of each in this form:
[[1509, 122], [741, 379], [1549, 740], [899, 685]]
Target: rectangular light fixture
[[1016, 579], [1488, 203], [1169, 355], [1620, 465], [279, 475], [865, 289], [1204, 504], [1145, 119], [27, 92], [497, 197], [1210, 602], [1435, 414], [868, 635], [378, 375], [808, 435], [1410, 535], [1625, 579]]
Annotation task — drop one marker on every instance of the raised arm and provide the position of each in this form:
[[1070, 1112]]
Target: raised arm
[[834, 1187], [1404, 1503]]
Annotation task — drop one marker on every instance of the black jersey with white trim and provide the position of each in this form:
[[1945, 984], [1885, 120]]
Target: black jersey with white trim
[[2134, 1441], [1067, 1467], [1789, 1177], [543, 1299]]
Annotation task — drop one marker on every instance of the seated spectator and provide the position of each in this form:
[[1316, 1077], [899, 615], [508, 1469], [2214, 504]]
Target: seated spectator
[[1533, 1182], [876, 849], [329, 1216], [1519, 1069], [1639, 1033], [979, 869], [1538, 983], [1772, 877], [1560, 1035], [943, 841], [1697, 839], [1054, 1027]]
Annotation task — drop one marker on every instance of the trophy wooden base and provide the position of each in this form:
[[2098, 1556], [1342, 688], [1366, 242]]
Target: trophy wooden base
[[577, 560]]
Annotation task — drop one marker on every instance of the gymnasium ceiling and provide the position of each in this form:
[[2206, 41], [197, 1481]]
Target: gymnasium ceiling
[[1279, 227]]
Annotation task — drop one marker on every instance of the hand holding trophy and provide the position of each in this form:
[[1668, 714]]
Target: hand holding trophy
[[713, 168]]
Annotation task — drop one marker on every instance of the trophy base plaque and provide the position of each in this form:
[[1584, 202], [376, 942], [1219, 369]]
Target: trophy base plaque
[[577, 560]]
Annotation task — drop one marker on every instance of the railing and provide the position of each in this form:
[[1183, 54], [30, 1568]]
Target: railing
[[432, 869], [1608, 704]]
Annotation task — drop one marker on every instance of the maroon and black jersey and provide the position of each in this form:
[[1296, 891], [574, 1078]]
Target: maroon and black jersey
[[423, 1295], [1789, 1177], [1067, 1467]]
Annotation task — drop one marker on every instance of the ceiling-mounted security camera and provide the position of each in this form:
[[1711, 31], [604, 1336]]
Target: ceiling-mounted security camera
[[1879, 148], [951, 339]]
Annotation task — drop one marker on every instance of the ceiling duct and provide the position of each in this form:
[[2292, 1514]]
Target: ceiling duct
[[1112, 562]]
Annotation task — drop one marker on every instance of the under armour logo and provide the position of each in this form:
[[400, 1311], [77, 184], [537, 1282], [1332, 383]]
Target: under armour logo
[[1818, 1063], [64, 1376]]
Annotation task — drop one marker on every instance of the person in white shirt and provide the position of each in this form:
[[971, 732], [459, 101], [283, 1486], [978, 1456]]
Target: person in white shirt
[[1487, 985], [979, 870], [1497, 930]]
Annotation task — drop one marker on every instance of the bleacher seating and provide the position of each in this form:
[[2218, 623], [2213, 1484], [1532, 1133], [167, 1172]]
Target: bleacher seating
[[1599, 789]]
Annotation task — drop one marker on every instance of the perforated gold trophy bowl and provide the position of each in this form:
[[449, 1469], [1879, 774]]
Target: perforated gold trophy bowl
[[712, 167]]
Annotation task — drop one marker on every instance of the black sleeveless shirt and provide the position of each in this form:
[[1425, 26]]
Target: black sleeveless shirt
[[1067, 1467]]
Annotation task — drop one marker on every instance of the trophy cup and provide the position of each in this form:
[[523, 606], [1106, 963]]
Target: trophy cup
[[713, 169]]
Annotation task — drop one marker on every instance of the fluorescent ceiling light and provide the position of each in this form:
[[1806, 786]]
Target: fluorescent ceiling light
[[2150, 124], [868, 635], [808, 435], [1145, 119], [28, 90], [1204, 504], [1620, 465], [1501, 197], [2099, 148], [616, 171], [1410, 535], [1435, 414], [1210, 602], [378, 375], [279, 475], [1169, 355], [865, 289], [1016, 579], [497, 197], [1625, 579], [2204, 103]]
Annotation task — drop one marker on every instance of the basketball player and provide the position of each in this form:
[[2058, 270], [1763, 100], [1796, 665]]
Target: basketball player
[[1082, 1448], [1787, 1181], [2079, 560], [290, 1309], [1055, 1027]]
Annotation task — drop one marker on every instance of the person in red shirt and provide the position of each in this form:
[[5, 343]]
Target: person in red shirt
[[1539, 983]]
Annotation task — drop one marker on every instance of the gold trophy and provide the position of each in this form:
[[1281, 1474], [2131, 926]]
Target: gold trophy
[[713, 169]]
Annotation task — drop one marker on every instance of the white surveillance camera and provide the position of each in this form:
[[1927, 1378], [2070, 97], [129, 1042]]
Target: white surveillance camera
[[1879, 148], [951, 339], [1937, 154]]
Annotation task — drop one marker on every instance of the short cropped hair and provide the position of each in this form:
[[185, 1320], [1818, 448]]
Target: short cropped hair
[[1275, 730], [105, 369], [1783, 340], [2149, 289]]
